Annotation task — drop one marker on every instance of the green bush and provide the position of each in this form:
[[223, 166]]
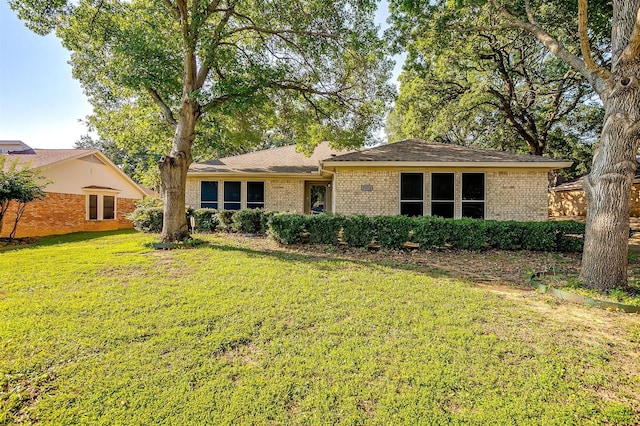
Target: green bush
[[147, 219], [226, 219], [467, 234], [264, 221], [324, 228], [431, 231], [248, 221], [287, 228], [358, 231], [505, 235], [150, 201], [206, 220], [392, 231]]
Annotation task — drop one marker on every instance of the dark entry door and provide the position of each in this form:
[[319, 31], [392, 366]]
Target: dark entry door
[[317, 197]]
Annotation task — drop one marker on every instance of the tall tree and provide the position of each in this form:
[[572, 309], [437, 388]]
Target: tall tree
[[614, 76], [316, 68], [457, 85]]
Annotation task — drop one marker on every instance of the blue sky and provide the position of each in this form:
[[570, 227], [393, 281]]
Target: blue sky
[[40, 103]]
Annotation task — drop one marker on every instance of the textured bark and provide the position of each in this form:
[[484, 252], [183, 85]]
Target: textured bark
[[608, 186], [173, 173]]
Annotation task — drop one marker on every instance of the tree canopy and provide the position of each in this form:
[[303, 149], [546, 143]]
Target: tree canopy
[[468, 79]]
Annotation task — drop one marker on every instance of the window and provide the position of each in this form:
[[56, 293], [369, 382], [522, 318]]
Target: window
[[101, 207], [232, 193], [473, 195], [108, 207], [411, 194], [93, 207], [209, 194], [255, 195], [442, 194]]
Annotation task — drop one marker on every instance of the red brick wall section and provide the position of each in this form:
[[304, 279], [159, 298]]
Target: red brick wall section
[[62, 214]]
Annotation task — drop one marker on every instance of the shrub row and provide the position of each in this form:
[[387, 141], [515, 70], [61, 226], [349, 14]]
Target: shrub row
[[254, 221], [429, 232]]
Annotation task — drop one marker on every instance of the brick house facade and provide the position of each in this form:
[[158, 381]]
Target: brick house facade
[[411, 177], [85, 192]]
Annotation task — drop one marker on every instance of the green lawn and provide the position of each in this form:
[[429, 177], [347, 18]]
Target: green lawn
[[99, 329]]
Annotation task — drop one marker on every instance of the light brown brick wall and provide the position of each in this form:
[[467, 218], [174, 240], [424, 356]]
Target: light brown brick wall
[[517, 195], [284, 195], [62, 214], [510, 194], [383, 199], [280, 194]]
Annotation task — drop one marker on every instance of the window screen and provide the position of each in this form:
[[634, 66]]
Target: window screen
[[442, 194], [209, 194], [108, 207], [411, 194], [93, 207], [255, 195], [473, 201], [232, 195]]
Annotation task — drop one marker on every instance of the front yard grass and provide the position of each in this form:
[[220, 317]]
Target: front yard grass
[[100, 329]]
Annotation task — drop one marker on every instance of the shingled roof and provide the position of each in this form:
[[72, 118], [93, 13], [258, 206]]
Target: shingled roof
[[438, 154], [38, 158], [283, 160]]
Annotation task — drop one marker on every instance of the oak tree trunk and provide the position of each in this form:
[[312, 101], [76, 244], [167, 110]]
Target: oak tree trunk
[[173, 174], [608, 185]]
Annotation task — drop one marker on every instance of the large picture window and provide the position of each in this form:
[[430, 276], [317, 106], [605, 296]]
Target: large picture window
[[232, 194], [473, 195], [411, 194], [255, 195], [442, 194], [108, 207], [209, 194], [93, 207]]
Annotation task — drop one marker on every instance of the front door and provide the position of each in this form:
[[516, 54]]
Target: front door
[[317, 197]]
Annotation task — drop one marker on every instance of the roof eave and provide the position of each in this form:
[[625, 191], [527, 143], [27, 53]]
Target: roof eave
[[451, 164]]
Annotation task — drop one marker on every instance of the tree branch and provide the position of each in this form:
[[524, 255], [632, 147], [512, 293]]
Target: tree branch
[[166, 111], [632, 51], [585, 48], [553, 45]]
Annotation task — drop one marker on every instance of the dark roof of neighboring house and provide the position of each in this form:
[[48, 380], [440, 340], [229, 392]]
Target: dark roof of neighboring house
[[285, 159], [416, 150], [46, 157]]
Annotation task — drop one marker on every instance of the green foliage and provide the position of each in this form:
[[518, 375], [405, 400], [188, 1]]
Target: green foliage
[[429, 232], [249, 221], [358, 231], [21, 184], [287, 228], [392, 231], [150, 201], [108, 331], [471, 79], [206, 220], [147, 219], [324, 228], [226, 219]]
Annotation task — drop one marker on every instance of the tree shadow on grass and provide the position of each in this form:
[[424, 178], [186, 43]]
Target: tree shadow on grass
[[335, 259]]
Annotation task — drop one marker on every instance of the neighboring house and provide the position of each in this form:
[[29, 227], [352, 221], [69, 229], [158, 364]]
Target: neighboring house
[[568, 199], [411, 177], [87, 192]]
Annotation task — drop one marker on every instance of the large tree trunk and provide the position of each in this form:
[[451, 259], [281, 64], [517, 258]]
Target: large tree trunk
[[608, 186], [173, 175]]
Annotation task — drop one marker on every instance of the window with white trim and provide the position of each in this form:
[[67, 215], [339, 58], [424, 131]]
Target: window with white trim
[[101, 207], [255, 195], [411, 194], [473, 195], [232, 195], [442, 194], [209, 194]]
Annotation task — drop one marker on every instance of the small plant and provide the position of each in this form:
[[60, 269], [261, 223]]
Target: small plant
[[248, 221], [226, 219]]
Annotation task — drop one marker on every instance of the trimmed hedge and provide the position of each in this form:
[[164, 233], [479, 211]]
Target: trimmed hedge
[[206, 220], [249, 221], [147, 219], [429, 232]]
